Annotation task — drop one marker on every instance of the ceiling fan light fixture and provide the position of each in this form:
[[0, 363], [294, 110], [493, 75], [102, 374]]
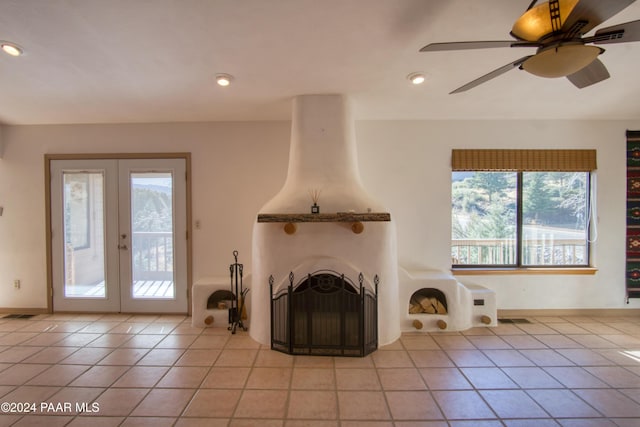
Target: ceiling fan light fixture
[[536, 23], [416, 78], [11, 48], [561, 61], [224, 80]]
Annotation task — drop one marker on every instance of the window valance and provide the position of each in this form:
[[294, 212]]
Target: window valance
[[523, 160]]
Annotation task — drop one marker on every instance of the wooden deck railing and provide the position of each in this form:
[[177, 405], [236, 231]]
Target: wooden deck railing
[[503, 252], [152, 255]]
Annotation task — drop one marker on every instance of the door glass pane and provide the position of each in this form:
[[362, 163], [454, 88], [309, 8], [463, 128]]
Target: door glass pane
[[483, 219], [152, 235], [555, 218], [84, 268]]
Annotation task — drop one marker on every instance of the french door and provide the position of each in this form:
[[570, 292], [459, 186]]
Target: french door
[[119, 235]]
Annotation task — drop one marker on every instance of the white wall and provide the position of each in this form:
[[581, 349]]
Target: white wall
[[237, 167], [408, 166]]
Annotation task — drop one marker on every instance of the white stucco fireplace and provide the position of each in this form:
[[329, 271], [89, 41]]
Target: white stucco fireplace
[[350, 235], [349, 244]]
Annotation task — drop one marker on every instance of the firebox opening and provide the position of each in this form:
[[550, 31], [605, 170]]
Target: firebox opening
[[220, 299], [428, 300], [324, 315]]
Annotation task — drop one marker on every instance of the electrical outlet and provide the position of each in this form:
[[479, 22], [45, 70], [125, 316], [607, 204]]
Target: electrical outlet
[[16, 283]]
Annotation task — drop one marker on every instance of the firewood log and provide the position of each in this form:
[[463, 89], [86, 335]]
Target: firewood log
[[429, 305], [415, 308], [440, 308]]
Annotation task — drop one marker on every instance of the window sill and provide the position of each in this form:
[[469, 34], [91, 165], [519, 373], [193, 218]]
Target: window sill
[[525, 270]]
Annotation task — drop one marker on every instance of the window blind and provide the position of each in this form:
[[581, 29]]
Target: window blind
[[523, 160]]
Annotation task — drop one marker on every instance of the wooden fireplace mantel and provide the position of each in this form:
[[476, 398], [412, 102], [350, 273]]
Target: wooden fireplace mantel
[[325, 217], [356, 219]]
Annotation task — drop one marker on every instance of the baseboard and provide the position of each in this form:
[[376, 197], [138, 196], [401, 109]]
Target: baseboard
[[150, 313], [14, 310], [543, 312], [547, 312]]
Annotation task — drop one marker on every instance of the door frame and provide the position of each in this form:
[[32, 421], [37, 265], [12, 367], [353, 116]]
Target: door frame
[[116, 156]]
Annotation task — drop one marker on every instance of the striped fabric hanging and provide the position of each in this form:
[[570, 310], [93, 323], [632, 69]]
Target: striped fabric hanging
[[633, 215]]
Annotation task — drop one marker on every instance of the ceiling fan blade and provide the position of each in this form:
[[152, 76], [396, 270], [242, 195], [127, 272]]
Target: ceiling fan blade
[[588, 14], [495, 73], [621, 33], [591, 74], [437, 47]]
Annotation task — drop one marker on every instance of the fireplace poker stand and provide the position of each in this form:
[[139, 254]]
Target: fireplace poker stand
[[237, 303]]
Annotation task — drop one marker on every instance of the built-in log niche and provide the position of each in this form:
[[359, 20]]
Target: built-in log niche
[[220, 299], [428, 300]]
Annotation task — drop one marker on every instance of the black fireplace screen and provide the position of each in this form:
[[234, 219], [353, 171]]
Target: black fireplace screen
[[325, 315]]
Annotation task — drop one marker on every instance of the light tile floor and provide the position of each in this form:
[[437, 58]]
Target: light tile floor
[[135, 370]]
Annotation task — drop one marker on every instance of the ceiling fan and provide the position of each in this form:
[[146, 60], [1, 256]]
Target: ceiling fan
[[556, 29]]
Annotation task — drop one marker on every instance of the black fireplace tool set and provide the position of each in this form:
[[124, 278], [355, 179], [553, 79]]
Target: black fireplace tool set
[[237, 311]]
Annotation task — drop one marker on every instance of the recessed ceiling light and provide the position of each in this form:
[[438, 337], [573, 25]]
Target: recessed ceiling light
[[224, 79], [416, 78], [11, 48]]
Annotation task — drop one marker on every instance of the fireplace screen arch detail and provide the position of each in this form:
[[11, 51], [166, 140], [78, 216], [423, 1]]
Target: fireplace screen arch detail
[[324, 314]]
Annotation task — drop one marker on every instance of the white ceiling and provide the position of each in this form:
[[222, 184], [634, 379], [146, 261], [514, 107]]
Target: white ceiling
[[114, 61]]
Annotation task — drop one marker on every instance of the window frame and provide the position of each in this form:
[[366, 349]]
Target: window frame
[[521, 161]]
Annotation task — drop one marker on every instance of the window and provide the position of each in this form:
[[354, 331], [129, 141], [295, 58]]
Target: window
[[521, 208]]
